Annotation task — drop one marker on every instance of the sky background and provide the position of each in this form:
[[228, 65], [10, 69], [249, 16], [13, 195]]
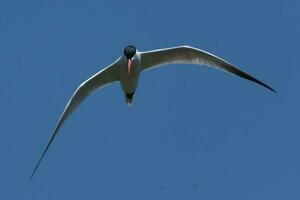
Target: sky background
[[193, 132]]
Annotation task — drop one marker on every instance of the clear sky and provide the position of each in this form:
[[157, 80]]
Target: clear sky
[[193, 132]]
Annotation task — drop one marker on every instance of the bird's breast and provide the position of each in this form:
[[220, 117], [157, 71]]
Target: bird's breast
[[129, 80]]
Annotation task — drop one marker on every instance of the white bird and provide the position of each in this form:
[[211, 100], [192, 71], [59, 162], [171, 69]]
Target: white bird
[[127, 68]]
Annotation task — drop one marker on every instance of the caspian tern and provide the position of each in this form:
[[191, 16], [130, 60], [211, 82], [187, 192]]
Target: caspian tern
[[127, 68]]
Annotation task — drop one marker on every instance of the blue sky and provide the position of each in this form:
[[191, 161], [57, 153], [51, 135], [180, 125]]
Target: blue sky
[[192, 133]]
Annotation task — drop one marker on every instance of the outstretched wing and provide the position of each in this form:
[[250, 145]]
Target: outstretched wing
[[99, 80], [191, 55]]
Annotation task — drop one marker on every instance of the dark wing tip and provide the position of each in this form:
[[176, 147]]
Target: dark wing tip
[[265, 85], [240, 73], [40, 160], [272, 90], [46, 149]]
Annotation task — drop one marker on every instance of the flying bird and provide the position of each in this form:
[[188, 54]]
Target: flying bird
[[128, 67]]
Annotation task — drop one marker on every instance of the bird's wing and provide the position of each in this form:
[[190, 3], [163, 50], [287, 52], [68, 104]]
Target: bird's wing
[[99, 80], [191, 55]]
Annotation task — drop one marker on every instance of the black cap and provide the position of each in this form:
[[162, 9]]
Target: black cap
[[129, 51]]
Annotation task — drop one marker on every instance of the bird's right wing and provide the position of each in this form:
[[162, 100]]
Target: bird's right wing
[[99, 80]]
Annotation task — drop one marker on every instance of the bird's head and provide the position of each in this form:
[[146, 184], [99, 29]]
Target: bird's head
[[129, 53]]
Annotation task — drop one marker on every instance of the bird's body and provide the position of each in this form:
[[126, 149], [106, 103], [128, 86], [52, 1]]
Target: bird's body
[[127, 69], [130, 80]]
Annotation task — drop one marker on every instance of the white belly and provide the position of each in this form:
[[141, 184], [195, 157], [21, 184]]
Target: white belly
[[129, 81]]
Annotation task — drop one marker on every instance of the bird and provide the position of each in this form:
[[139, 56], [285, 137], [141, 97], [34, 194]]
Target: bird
[[127, 69]]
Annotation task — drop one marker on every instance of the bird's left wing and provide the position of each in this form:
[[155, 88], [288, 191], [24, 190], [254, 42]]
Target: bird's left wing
[[191, 55], [99, 80]]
